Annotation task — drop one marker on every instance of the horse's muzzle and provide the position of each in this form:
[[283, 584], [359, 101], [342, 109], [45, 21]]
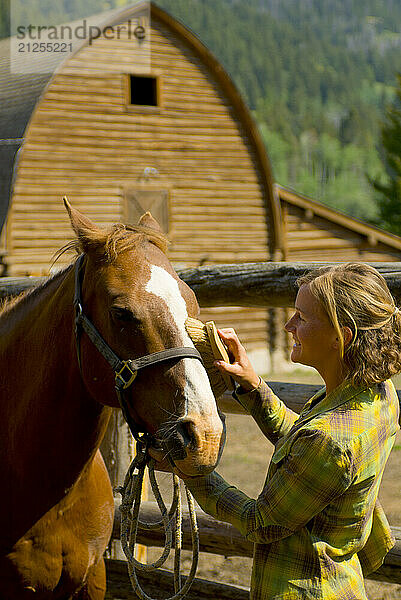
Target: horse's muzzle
[[198, 447]]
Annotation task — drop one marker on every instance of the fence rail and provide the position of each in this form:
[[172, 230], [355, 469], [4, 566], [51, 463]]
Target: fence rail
[[161, 583], [216, 537], [269, 284]]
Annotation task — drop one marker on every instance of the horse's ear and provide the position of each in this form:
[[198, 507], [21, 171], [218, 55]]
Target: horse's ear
[[148, 221], [85, 230]]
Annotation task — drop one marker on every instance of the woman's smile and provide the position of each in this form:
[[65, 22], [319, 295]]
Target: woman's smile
[[314, 337]]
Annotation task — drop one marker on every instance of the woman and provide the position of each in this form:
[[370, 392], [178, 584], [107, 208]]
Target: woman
[[317, 524]]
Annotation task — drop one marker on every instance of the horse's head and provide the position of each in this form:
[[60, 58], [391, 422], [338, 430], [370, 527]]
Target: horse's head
[[138, 304]]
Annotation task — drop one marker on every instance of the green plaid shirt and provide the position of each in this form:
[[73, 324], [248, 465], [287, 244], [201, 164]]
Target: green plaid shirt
[[317, 524]]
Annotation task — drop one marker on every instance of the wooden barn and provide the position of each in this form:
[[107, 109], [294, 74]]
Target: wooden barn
[[120, 134]]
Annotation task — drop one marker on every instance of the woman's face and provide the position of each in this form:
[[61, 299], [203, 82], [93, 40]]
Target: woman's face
[[315, 339]]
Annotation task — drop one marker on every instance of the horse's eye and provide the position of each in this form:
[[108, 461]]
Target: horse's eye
[[123, 314]]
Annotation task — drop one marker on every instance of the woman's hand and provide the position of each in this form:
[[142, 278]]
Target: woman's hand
[[240, 369]]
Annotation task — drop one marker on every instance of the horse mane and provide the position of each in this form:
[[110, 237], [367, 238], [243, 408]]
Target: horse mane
[[8, 304], [112, 242]]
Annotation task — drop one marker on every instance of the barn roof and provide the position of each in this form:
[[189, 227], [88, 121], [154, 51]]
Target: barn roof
[[19, 94], [373, 234]]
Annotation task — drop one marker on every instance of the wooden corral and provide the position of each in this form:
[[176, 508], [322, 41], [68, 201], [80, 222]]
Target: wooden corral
[[250, 284], [222, 538]]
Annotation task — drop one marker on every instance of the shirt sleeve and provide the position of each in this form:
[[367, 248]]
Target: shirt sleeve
[[270, 413], [305, 481], [379, 542]]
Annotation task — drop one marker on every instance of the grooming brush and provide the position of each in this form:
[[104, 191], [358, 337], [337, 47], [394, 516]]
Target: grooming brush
[[207, 341]]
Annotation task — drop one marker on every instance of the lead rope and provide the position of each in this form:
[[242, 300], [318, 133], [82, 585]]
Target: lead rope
[[130, 503]]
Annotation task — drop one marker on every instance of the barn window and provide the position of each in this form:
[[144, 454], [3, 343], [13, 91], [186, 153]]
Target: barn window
[[143, 90], [139, 201]]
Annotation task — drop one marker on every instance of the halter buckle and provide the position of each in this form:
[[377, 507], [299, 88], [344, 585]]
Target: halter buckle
[[125, 376]]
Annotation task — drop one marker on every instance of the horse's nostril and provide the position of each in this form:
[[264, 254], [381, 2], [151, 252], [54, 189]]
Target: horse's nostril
[[180, 440], [185, 434]]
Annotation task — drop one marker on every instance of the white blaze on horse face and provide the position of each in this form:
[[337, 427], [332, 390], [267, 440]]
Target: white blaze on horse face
[[198, 393]]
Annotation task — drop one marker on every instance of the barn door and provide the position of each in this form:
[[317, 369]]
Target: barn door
[[139, 201]]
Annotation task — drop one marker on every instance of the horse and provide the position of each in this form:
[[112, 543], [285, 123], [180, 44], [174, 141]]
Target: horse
[[57, 394]]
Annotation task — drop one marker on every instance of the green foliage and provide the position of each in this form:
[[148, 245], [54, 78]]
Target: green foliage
[[322, 168], [52, 12], [389, 199], [4, 18]]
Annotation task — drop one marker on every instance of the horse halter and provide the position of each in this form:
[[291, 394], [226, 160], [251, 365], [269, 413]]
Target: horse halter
[[125, 371]]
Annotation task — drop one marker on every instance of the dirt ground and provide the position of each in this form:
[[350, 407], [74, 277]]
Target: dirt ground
[[244, 464]]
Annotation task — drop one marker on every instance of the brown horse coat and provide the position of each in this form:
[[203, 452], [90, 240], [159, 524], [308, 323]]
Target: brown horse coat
[[56, 509]]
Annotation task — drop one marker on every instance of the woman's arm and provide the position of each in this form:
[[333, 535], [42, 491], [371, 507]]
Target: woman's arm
[[314, 473], [270, 413], [272, 416]]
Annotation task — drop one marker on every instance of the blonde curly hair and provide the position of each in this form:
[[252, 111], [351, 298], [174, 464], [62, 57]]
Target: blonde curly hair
[[355, 295]]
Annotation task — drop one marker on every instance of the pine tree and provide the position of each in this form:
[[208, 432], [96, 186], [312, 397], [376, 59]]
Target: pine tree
[[389, 201], [4, 18]]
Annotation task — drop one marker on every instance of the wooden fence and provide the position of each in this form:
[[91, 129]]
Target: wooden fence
[[252, 284], [249, 284]]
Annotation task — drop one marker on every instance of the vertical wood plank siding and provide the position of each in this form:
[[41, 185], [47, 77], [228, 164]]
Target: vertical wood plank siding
[[83, 141]]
